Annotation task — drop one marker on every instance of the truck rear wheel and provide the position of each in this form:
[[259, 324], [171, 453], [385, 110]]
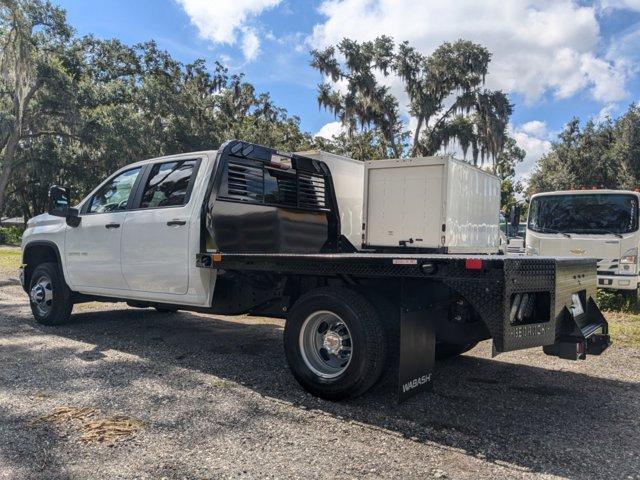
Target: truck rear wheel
[[335, 343], [49, 295]]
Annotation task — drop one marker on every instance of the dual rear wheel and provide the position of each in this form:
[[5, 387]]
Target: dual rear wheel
[[337, 344]]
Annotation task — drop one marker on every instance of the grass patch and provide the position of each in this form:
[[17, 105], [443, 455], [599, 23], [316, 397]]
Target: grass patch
[[624, 328], [10, 258], [92, 426], [220, 383]]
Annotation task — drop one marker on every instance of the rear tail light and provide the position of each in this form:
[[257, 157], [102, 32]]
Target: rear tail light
[[473, 264], [522, 307]]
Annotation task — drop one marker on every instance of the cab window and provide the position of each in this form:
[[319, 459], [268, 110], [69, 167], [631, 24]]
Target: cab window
[[114, 195], [168, 184]]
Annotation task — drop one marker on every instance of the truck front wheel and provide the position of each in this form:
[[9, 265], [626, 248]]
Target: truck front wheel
[[49, 295], [335, 343]]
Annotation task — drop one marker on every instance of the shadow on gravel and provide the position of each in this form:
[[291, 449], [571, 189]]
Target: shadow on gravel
[[22, 461], [532, 418]]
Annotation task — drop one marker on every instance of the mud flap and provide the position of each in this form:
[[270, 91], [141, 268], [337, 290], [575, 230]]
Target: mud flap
[[417, 346]]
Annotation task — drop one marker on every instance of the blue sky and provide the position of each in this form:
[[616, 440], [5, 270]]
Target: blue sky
[[555, 58]]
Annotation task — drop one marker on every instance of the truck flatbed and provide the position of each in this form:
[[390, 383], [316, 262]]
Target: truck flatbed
[[417, 265]]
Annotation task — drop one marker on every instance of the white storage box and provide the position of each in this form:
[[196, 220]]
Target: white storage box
[[433, 203]]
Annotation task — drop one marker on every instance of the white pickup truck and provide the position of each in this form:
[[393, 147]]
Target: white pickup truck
[[372, 264]]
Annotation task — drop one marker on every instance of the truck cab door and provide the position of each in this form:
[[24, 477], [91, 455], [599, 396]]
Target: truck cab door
[[92, 249], [155, 242]]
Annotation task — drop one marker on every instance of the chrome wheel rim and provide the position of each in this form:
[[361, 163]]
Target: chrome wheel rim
[[325, 344], [41, 295]]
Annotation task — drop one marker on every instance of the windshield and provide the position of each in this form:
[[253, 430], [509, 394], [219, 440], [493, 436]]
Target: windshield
[[585, 213]]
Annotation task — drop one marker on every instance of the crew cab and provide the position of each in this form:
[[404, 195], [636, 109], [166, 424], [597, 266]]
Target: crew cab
[[365, 285]]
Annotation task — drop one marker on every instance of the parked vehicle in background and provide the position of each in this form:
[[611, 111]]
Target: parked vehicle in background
[[602, 224], [371, 263], [516, 239], [512, 232]]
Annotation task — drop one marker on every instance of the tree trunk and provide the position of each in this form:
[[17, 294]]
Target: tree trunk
[[7, 165], [20, 105], [416, 137]]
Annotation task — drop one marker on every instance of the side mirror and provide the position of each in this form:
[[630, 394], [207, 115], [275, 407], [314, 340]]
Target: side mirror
[[59, 205], [514, 216]]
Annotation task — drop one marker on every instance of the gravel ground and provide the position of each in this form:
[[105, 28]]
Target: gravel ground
[[212, 398]]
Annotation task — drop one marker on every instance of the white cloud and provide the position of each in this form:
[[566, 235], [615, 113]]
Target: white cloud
[[329, 130], [222, 21], [620, 4], [535, 128], [250, 44], [538, 46], [606, 112], [534, 137]]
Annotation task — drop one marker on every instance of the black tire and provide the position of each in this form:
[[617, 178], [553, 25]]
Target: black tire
[[450, 350], [367, 339], [57, 311]]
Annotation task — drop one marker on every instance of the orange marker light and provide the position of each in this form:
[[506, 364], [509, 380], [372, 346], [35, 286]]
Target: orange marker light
[[217, 257]]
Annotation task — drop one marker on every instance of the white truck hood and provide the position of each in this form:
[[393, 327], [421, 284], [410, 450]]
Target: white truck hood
[[44, 219]]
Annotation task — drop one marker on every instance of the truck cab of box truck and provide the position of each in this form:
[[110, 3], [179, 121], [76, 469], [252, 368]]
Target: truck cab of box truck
[[602, 224]]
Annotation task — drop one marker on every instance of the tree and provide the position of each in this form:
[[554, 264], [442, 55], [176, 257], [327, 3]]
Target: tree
[[121, 103], [366, 104], [33, 33], [627, 142], [596, 156], [445, 90], [366, 145], [505, 165]]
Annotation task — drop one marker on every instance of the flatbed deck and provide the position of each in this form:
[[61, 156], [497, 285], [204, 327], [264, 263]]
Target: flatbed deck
[[383, 264]]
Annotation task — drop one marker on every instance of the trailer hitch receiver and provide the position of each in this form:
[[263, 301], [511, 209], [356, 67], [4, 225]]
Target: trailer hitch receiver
[[589, 334]]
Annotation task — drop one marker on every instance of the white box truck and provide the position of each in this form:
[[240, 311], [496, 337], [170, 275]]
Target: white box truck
[[247, 229], [435, 204], [601, 224]]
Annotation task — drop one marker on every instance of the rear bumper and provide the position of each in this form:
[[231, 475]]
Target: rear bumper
[[543, 303]]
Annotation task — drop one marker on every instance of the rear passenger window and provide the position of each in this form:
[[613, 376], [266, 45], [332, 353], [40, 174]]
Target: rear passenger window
[[168, 184]]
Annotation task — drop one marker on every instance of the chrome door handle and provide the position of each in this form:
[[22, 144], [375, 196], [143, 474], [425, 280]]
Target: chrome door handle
[[176, 223], [112, 225]]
